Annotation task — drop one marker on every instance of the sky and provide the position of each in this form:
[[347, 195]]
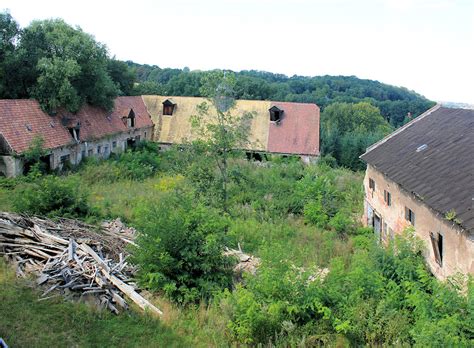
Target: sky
[[423, 45]]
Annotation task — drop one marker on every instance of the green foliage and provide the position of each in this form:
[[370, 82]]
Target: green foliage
[[222, 132], [52, 196], [60, 66], [180, 249], [137, 164], [394, 102], [348, 129], [377, 297]]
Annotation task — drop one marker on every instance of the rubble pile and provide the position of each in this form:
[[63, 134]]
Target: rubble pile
[[74, 257]]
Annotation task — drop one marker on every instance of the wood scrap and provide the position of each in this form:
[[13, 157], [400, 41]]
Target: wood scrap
[[73, 258]]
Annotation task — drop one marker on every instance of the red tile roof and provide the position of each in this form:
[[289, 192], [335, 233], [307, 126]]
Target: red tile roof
[[22, 119], [298, 131]]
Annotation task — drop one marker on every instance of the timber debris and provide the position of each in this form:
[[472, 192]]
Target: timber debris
[[73, 257]]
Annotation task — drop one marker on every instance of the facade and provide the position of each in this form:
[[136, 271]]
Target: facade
[[69, 138], [422, 175], [276, 127]]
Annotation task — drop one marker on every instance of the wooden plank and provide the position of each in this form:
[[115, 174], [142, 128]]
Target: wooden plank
[[122, 286]]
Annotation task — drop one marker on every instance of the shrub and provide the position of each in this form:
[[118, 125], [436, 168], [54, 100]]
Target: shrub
[[52, 196], [180, 249]]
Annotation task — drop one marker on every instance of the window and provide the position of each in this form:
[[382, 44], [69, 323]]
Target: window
[[83, 154], [387, 197], [131, 119], [74, 133], [99, 148], [437, 244], [371, 184], [90, 152], [275, 114], [114, 144], [410, 216], [168, 107], [106, 149], [65, 159]]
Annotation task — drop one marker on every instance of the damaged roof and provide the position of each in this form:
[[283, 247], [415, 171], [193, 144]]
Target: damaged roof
[[21, 120], [433, 158], [297, 133]]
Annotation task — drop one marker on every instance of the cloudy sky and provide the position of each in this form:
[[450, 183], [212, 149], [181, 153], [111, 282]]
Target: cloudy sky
[[424, 45]]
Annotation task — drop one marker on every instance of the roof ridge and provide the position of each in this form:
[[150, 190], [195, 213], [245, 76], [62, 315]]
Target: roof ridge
[[401, 129]]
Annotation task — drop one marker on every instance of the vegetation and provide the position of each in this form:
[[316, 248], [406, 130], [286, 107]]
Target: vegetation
[[58, 65], [394, 102], [298, 219], [348, 129]]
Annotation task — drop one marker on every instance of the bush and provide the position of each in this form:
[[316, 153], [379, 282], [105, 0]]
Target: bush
[[180, 249], [52, 196]]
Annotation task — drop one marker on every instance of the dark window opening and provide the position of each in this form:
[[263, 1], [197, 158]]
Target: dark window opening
[[387, 197], [74, 133], [276, 114], [437, 244], [83, 154], [90, 152], [64, 159], [410, 216], [168, 107], [372, 184], [114, 144], [99, 148], [131, 119], [254, 156]]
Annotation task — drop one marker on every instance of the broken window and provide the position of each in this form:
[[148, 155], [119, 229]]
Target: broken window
[[437, 244], [168, 107], [114, 144], [74, 133], [275, 114], [410, 216], [387, 197], [131, 119]]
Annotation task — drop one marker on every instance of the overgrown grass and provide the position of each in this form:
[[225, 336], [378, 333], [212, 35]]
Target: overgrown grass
[[25, 321]]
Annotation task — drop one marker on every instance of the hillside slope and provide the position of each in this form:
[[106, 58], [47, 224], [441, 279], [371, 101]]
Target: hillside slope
[[393, 102]]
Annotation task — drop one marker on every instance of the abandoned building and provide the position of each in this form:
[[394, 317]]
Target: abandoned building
[[422, 175], [69, 138], [276, 127]]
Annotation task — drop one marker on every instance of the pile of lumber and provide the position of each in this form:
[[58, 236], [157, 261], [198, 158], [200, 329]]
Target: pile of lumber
[[74, 258]]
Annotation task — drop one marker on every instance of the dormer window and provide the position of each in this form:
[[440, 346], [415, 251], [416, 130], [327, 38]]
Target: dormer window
[[74, 131], [276, 114], [168, 107], [131, 119]]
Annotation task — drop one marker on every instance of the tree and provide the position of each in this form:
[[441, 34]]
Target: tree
[[219, 130], [9, 33], [180, 248], [348, 129], [122, 75], [64, 66]]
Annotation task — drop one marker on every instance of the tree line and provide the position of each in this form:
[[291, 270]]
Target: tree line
[[64, 67]]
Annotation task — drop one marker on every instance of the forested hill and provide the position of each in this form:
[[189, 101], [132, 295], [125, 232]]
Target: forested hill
[[393, 102]]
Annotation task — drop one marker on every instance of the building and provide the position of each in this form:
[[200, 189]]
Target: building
[[68, 138], [277, 127], [423, 175]]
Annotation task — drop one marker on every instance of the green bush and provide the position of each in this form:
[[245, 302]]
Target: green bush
[[180, 249], [52, 196]]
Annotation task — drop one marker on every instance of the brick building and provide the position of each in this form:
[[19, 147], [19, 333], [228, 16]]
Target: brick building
[[68, 138], [423, 175]]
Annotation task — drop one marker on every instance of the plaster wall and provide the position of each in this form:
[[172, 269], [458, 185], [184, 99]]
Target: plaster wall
[[458, 244]]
